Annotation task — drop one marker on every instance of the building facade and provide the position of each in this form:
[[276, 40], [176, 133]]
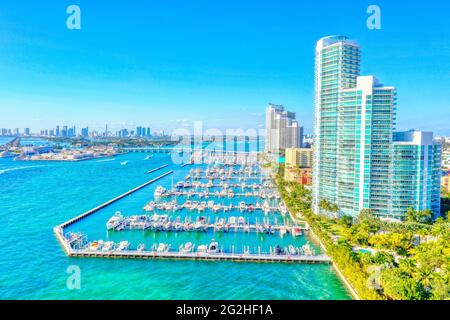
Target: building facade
[[358, 161], [337, 67], [299, 157], [302, 176], [282, 130], [417, 172], [445, 183]]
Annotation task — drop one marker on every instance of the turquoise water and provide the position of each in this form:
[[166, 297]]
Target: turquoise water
[[36, 196]]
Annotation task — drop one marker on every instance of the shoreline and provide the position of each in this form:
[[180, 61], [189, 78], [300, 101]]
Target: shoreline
[[347, 284]]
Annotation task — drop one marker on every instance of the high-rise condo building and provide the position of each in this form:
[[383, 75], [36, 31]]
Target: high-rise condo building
[[337, 67], [282, 130], [417, 172], [366, 121], [359, 163]]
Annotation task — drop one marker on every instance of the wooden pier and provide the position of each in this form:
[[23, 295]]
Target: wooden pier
[[107, 203], [156, 169], [128, 254], [243, 228]]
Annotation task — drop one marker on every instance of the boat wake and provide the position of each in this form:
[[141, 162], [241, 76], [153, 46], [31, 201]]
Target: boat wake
[[106, 160], [18, 168]]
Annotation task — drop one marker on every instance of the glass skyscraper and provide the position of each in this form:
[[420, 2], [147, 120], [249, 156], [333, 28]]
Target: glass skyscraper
[[417, 172], [337, 68], [357, 163]]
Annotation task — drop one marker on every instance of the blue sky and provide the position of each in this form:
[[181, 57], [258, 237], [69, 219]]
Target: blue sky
[[159, 62]]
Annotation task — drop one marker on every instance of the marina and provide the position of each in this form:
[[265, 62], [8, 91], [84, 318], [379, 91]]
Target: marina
[[124, 277], [243, 212]]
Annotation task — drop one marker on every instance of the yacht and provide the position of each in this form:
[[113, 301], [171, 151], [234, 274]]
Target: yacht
[[219, 225], [187, 247], [163, 247], [201, 207], [200, 224], [180, 184], [150, 206], [95, 245], [159, 191], [108, 246], [213, 247], [115, 221], [307, 249], [123, 245]]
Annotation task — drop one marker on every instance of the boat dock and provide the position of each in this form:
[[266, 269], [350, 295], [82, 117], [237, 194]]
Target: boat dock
[[186, 164], [219, 194], [156, 169], [77, 245], [214, 227], [241, 257]]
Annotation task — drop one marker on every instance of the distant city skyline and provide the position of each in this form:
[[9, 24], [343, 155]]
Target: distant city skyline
[[167, 65]]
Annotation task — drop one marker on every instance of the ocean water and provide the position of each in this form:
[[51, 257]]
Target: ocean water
[[36, 196]]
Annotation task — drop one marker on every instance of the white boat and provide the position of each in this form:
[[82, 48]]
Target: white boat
[[141, 247], [162, 247], [282, 208], [115, 221], [187, 247], [241, 221], [150, 206], [159, 191], [148, 157], [219, 225], [202, 248], [242, 206], [232, 221], [123, 245], [201, 207], [213, 247], [95, 245], [124, 163], [282, 231], [108, 246], [177, 225], [180, 184], [307, 249], [154, 218]]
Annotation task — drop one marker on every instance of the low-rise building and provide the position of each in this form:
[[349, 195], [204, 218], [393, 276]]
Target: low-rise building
[[299, 157], [445, 183], [298, 165], [299, 175]]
